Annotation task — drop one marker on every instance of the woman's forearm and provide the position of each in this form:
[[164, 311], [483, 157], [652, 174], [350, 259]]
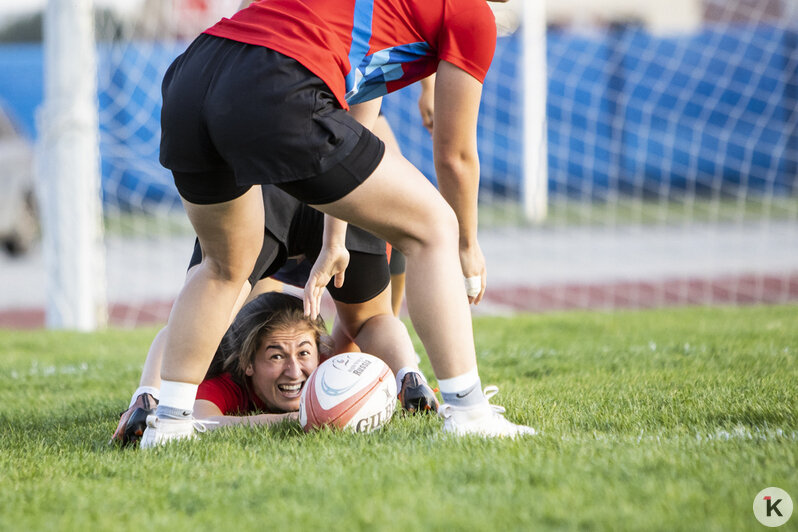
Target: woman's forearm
[[254, 420]]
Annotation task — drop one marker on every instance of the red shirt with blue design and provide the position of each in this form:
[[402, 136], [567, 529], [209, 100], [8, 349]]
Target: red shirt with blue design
[[364, 49]]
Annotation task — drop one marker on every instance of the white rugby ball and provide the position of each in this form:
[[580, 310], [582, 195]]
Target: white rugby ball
[[351, 391]]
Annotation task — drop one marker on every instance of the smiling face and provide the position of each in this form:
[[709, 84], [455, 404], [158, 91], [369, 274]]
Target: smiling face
[[285, 359]]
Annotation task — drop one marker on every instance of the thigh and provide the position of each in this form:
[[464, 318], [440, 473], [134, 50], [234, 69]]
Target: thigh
[[230, 233], [396, 203], [352, 316], [270, 258]]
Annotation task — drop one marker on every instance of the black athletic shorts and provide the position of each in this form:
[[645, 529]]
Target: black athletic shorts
[[236, 115], [294, 229]]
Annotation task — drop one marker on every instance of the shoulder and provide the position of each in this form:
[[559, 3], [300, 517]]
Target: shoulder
[[468, 36], [468, 13], [222, 383]]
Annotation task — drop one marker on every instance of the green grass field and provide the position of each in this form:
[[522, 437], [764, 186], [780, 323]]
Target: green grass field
[[656, 420], [566, 212], [562, 212]]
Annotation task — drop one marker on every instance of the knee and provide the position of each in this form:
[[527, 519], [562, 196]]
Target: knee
[[437, 228], [387, 329], [235, 270], [384, 324]]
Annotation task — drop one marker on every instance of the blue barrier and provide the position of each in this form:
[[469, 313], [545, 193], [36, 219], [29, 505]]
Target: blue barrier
[[631, 113], [21, 84]]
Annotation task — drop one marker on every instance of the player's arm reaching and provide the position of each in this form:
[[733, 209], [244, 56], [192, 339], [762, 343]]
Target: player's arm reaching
[[208, 411], [457, 96], [331, 262]]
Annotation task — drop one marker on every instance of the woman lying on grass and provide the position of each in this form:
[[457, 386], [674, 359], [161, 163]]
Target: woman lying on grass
[[258, 371], [262, 364]]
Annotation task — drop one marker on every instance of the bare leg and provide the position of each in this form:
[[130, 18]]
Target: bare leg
[[344, 342], [398, 204], [151, 373], [375, 330], [397, 292], [383, 130], [263, 286], [230, 234], [150, 381]]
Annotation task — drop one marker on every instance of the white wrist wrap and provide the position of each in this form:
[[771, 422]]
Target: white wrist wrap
[[473, 285]]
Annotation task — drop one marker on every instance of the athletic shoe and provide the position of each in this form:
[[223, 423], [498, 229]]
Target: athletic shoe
[[162, 431], [416, 395], [483, 420], [136, 425], [137, 421]]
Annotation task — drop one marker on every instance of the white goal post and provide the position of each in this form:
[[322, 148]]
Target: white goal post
[[68, 170], [535, 177]]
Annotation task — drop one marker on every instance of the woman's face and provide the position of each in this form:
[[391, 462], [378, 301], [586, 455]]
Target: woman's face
[[283, 363]]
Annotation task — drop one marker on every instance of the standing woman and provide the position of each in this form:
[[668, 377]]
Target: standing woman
[[262, 98]]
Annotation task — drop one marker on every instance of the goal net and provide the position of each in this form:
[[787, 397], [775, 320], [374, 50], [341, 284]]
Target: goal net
[[668, 155], [671, 157]]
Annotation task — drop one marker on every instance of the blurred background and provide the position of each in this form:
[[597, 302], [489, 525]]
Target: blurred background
[[656, 142]]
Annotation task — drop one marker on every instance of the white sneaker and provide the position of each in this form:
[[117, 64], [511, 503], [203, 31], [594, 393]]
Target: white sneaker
[[483, 420], [162, 431]]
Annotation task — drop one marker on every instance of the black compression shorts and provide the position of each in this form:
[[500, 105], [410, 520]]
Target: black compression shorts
[[236, 115]]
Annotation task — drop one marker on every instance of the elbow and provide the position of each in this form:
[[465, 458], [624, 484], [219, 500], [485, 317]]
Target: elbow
[[456, 162]]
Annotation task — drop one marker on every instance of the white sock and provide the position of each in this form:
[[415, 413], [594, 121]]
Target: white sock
[[464, 390], [179, 395]]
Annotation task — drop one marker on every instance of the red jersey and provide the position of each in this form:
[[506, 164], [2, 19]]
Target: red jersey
[[229, 396], [363, 49]]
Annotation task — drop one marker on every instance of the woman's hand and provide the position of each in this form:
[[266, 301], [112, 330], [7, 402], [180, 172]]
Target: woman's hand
[[472, 262], [331, 263]]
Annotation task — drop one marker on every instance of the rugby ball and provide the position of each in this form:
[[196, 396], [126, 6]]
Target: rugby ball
[[350, 391]]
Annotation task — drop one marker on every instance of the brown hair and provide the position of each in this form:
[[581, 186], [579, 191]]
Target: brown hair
[[255, 321]]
